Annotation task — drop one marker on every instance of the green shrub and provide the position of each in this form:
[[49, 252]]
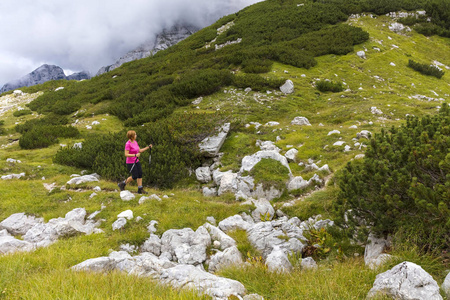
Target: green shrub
[[50, 119], [201, 83], [329, 86], [256, 82], [44, 136], [256, 66], [175, 142], [426, 69], [22, 112], [403, 182]]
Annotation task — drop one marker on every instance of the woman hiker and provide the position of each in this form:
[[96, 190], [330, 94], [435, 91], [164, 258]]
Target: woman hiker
[[132, 152]]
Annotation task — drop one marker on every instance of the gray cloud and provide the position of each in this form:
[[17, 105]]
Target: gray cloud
[[88, 34]]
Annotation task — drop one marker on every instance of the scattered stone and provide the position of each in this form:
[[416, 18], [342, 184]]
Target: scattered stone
[[83, 179], [277, 261], [19, 223], [12, 176], [300, 121], [234, 223], [13, 161], [97, 189], [446, 285], [291, 154], [128, 214], [375, 111], [308, 263], [143, 199], [248, 162], [128, 248], [334, 132], [119, 224], [297, 183], [339, 143], [9, 244], [152, 245], [126, 196], [363, 134], [229, 257], [361, 54], [203, 174], [405, 281], [287, 87], [155, 197], [151, 228], [209, 192]]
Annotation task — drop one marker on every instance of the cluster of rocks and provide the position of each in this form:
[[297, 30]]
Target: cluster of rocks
[[35, 233], [178, 256], [16, 99]]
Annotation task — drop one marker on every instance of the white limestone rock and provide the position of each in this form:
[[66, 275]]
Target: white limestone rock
[[291, 154], [264, 210], [190, 277], [277, 261], [406, 281], [152, 245], [300, 121], [9, 244], [234, 223], [209, 192], [363, 134], [12, 176], [361, 54], [374, 248], [218, 235], [119, 224], [308, 263], [203, 174], [228, 183], [127, 214], [211, 145], [229, 257], [185, 245], [248, 162], [446, 285], [287, 87], [19, 223], [83, 179], [297, 183], [127, 196]]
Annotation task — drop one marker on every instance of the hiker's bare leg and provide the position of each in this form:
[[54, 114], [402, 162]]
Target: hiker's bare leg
[[139, 181], [129, 179]]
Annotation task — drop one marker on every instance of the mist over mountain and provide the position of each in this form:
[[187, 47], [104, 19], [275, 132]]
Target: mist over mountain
[[86, 35]]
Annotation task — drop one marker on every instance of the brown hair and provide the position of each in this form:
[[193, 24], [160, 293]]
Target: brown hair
[[131, 134]]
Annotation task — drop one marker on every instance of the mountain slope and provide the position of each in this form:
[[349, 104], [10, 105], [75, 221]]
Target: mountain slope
[[379, 92]]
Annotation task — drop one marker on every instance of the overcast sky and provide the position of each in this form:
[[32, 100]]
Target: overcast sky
[[88, 34]]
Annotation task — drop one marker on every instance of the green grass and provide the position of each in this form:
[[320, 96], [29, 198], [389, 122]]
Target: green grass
[[45, 274]]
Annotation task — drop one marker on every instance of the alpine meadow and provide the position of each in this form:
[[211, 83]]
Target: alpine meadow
[[301, 150]]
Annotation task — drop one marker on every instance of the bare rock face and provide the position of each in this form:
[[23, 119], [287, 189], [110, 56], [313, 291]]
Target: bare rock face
[[19, 224], [42, 74], [406, 281], [167, 38]]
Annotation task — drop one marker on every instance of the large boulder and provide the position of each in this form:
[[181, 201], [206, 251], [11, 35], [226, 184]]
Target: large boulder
[[248, 162], [235, 222], [9, 244], [228, 183], [190, 277], [229, 257], [218, 235], [264, 210], [211, 145], [406, 281], [446, 285], [152, 245], [203, 174], [19, 224], [297, 183], [374, 248], [287, 87], [185, 245], [277, 261]]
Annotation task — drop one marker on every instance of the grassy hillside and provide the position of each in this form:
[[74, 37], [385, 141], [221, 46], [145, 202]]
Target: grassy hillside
[[303, 43]]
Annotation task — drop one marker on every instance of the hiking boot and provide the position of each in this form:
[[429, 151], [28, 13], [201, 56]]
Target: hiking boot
[[122, 185], [141, 191]]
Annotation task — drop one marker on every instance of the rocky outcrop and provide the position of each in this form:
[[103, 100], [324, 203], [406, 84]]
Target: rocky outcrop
[[167, 38], [43, 74], [373, 253], [406, 281], [210, 146]]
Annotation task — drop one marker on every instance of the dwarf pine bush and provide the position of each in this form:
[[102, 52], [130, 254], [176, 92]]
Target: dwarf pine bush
[[426, 69], [403, 182]]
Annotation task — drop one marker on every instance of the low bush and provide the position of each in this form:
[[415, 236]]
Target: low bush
[[256, 82], [22, 112], [329, 86], [46, 135], [402, 183], [50, 119], [426, 69]]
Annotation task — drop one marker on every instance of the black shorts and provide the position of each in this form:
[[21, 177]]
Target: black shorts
[[137, 170]]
